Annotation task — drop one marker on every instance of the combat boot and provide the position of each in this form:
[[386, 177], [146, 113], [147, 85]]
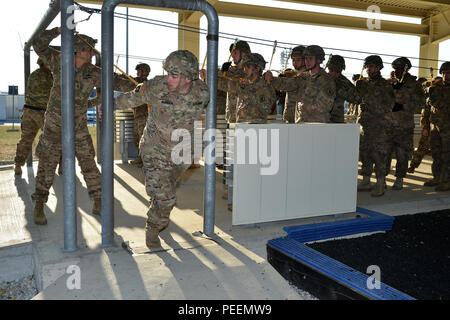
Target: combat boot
[[151, 237], [39, 216], [364, 185], [398, 184], [379, 188], [137, 162], [431, 182], [97, 208], [443, 186], [411, 169], [18, 170]]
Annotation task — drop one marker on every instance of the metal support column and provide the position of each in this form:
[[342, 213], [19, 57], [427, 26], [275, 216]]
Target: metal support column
[[108, 105], [50, 15], [68, 134]]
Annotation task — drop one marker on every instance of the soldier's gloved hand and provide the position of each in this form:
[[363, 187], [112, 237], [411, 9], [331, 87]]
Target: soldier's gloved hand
[[226, 66], [202, 73]]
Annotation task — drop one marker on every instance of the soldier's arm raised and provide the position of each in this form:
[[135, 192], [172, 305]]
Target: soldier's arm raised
[[122, 83], [132, 99], [42, 49], [285, 84]]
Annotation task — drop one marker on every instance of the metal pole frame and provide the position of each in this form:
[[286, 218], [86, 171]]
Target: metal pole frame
[[108, 107], [50, 15], [68, 131]]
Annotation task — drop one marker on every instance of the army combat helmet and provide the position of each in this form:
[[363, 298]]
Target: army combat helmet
[[315, 51], [376, 60], [336, 63], [298, 51], [255, 59], [444, 67], [182, 62], [241, 45], [401, 63], [144, 67], [82, 42]]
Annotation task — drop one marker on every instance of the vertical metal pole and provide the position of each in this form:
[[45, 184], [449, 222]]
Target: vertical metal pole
[[107, 124], [68, 135], [26, 58], [210, 165], [126, 52]]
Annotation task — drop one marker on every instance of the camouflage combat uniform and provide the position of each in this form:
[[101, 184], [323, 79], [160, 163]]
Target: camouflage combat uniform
[[140, 118], [377, 100], [439, 105], [291, 99], [314, 94], [345, 91], [254, 100], [50, 142], [409, 98], [424, 143], [230, 108], [37, 93], [169, 111]]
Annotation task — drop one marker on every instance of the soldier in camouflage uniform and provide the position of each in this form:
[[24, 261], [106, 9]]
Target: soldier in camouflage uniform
[[255, 98], [314, 90], [37, 93], [238, 51], [290, 100], [423, 148], [177, 100], [87, 76], [141, 112], [353, 107], [377, 101], [345, 90], [439, 109], [409, 98]]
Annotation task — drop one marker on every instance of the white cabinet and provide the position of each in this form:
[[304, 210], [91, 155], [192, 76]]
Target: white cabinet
[[301, 171]]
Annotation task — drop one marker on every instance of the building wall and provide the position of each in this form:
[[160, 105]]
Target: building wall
[[6, 106]]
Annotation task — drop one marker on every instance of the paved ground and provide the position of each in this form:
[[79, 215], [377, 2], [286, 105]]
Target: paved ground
[[229, 266]]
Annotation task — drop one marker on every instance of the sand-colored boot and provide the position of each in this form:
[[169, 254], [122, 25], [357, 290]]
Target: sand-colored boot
[[137, 162], [443, 186], [398, 184], [97, 207], [151, 237], [431, 182], [18, 170], [379, 188], [39, 216], [364, 185]]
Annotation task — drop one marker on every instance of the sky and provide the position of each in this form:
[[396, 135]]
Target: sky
[[152, 43]]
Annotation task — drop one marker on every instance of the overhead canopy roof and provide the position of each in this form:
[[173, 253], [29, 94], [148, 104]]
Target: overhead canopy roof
[[432, 12]]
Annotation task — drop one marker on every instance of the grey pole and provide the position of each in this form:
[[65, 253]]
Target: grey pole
[[26, 56], [107, 211], [50, 15], [126, 44], [68, 135], [108, 101]]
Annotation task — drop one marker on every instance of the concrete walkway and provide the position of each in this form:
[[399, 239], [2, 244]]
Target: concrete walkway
[[231, 265]]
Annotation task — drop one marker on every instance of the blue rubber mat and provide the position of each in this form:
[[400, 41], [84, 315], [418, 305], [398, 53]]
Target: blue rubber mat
[[336, 270], [369, 221], [318, 231]]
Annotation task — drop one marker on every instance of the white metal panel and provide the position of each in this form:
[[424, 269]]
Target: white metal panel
[[317, 174]]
